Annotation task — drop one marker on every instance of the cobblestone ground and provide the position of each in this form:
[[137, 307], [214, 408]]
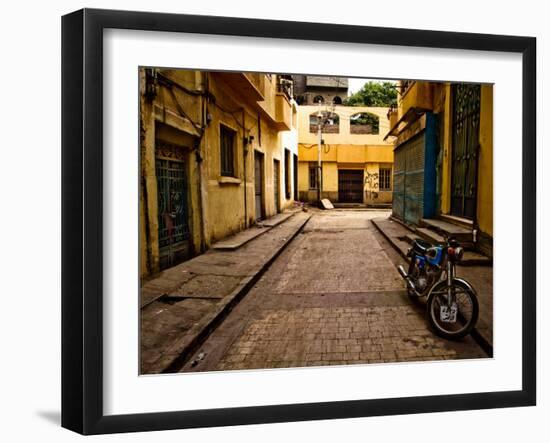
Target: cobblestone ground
[[333, 297]]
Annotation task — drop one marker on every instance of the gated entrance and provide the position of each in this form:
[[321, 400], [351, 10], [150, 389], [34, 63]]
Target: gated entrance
[[408, 180], [466, 104], [350, 185], [258, 185], [172, 186], [415, 173], [277, 184]]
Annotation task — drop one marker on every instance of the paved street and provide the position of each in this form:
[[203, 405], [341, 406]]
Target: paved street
[[332, 297]]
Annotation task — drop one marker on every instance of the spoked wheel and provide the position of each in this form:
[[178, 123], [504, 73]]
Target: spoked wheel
[[453, 319]]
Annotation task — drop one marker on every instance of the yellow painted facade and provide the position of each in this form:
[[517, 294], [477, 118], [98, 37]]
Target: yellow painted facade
[[344, 150], [484, 210], [419, 97], [183, 118]]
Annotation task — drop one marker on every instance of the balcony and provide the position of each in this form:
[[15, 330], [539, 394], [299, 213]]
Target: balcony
[[415, 101], [283, 112], [418, 96], [392, 117], [250, 84]]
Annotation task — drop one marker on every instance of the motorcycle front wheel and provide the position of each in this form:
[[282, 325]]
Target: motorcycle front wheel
[[452, 320]]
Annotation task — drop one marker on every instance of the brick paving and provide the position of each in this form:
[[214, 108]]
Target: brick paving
[[481, 277], [180, 300], [333, 297]]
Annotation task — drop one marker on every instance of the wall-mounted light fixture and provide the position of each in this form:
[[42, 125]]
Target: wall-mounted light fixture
[[151, 83]]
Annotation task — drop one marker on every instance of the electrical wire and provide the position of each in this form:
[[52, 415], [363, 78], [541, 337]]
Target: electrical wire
[[232, 114], [197, 126]]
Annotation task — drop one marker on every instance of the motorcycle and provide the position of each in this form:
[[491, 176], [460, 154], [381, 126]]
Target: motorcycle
[[452, 304]]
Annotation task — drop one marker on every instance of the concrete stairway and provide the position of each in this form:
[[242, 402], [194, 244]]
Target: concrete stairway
[[435, 230]]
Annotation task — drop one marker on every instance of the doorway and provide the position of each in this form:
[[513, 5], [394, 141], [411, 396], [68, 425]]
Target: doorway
[[174, 236], [277, 185], [259, 185], [465, 148], [350, 186]]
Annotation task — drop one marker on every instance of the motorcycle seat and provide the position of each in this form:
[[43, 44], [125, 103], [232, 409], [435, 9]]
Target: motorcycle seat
[[421, 246]]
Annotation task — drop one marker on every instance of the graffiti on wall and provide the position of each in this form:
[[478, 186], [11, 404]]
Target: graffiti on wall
[[371, 185]]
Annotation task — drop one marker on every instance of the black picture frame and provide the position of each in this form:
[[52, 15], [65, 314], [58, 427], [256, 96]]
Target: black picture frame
[[82, 218]]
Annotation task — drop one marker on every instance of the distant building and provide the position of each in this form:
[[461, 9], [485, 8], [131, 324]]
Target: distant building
[[218, 152], [356, 162], [310, 89]]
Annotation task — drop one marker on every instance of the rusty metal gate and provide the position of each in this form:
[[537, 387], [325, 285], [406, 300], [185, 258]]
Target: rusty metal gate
[[466, 106], [258, 185], [277, 184], [173, 210], [350, 185]]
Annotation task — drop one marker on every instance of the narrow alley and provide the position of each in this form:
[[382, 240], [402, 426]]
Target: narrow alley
[[332, 297]]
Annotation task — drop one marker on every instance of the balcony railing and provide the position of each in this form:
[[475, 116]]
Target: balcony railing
[[286, 88]]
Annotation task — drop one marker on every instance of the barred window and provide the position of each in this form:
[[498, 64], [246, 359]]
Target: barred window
[[312, 176], [385, 179], [227, 151]]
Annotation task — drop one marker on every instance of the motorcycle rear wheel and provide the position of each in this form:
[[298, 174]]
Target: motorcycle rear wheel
[[467, 306]]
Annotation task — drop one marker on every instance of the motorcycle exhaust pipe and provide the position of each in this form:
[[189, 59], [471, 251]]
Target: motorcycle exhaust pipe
[[405, 276]]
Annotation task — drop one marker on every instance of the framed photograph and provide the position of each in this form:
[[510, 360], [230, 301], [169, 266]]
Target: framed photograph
[[269, 221]]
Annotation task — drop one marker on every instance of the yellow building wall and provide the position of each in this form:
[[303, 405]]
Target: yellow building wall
[[344, 136], [347, 153], [303, 176], [485, 161], [447, 110], [485, 168], [218, 206], [225, 196], [310, 153], [343, 151], [330, 177]]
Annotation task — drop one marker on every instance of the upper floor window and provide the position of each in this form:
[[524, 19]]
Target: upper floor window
[[227, 151], [364, 123], [337, 100], [384, 180], [330, 122], [318, 99]]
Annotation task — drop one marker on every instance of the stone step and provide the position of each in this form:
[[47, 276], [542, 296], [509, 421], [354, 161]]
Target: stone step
[[435, 238], [431, 236], [470, 258], [271, 222], [236, 241], [464, 222], [462, 234]]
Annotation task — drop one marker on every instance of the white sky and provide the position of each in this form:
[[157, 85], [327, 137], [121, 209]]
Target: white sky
[[357, 83]]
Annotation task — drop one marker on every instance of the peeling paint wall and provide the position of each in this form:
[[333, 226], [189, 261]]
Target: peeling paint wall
[[188, 109]]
